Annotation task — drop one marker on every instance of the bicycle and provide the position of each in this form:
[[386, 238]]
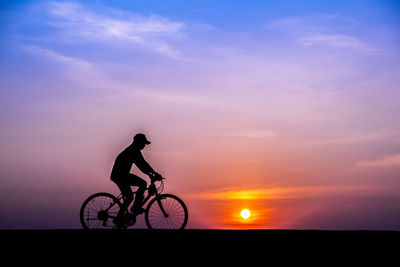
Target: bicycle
[[164, 211]]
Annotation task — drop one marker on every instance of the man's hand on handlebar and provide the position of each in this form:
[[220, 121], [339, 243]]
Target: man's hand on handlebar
[[156, 176]]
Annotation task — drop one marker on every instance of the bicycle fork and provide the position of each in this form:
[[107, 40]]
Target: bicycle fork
[[161, 206]]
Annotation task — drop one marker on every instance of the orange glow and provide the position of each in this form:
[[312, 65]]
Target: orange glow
[[297, 192], [243, 214], [270, 207]]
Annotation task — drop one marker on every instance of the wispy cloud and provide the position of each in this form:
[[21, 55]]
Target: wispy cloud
[[386, 161], [150, 32], [75, 69], [184, 99], [294, 192], [355, 137], [253, 134], [322, 30], [334, 40], [57, 57], [313, 23], [90, 74]]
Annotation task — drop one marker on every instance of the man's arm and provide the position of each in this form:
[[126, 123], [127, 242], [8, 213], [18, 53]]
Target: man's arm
[[142, 164]]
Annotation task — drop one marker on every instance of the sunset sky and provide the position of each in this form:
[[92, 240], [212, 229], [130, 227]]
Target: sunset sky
[[287, 108]]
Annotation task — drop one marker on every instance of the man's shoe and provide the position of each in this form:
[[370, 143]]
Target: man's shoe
[[130, 219]]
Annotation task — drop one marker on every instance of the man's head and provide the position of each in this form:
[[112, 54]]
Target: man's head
[[140, 140]]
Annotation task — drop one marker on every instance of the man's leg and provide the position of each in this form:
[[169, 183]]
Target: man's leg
[[142, 184], [126, 191]]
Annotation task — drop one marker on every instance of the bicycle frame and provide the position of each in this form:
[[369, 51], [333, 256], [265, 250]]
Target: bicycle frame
[[152, 191]]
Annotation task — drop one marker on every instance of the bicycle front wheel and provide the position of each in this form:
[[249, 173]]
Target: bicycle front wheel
[[166, 212], [99, 210]]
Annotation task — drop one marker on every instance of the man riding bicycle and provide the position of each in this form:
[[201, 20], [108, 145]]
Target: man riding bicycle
[[121, 175]]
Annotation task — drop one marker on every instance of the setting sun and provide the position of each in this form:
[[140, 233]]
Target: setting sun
[[245, 213]]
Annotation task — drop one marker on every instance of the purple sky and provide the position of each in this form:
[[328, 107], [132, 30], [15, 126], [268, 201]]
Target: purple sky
[[287, 108]]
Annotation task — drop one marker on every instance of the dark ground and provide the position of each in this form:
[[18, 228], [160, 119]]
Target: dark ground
[[199, 247]]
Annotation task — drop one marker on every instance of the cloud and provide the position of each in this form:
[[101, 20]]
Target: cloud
[[75, 69], [149, 32], [295, 192], [57, 57], [334, 40], [313, 23], [383, 162], [253, 134], [355, 137], [329, 30], [90, 74]]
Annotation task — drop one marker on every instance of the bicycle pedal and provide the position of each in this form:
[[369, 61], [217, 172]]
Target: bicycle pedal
[[131, 221]]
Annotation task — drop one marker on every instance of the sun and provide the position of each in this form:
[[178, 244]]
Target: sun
[[245, 213]]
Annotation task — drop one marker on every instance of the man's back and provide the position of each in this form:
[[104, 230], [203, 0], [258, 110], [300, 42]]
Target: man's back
[[124, 161]]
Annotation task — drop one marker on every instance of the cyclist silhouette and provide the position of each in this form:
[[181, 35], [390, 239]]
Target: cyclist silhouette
[[121, 175]]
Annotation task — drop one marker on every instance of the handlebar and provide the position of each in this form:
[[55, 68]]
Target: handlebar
[[155, 177]]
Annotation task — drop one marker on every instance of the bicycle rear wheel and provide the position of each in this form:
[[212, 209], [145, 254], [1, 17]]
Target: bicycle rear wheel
[[99, 210], [175, 216]]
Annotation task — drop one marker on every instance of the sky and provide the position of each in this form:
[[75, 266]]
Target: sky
[[286, 108]]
